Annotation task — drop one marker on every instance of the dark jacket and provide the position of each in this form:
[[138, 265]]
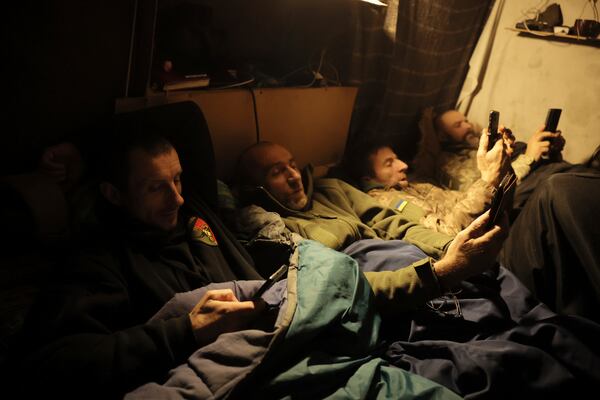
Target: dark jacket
[[90, 329]]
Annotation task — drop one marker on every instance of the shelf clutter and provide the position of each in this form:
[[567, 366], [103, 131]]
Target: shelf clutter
[[548, 24], [563, 37]]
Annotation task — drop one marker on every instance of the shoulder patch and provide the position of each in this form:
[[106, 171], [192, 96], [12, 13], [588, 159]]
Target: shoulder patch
[[200, 231], [400, 205]]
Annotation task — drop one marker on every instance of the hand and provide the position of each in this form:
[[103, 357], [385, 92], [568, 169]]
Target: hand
[[219, 311], [62, 163], [509, 140], [539, 144], [492, 164], [472, 251], [556, 147]]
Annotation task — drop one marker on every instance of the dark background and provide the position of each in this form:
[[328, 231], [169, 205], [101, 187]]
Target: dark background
[[69, 60]]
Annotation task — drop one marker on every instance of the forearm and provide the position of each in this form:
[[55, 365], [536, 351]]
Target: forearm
[[522, 166], [405, 289], [405, 225]]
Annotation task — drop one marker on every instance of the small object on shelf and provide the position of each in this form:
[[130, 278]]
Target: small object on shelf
[[561, 29], [559, 37], [187, 82], [170, 79], [586, 27], [545, 20]]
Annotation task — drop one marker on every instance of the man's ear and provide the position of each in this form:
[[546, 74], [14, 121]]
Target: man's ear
[[111, 193]]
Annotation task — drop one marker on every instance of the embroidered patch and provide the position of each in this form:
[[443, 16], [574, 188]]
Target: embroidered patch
[[400, 205], [202, 232]]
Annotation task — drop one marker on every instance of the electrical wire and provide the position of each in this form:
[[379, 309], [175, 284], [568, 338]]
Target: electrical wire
[[237, 84], [313, 72], [255, 114], [131, 40]]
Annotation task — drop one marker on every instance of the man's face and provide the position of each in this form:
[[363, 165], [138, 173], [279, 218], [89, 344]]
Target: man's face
[[456, 126], [276, 169], [153, 193], [388, 169]]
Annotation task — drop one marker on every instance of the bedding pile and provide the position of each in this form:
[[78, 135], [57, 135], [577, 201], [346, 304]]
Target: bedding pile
[[324, 342]]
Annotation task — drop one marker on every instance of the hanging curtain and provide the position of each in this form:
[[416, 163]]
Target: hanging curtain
[[407, 56]]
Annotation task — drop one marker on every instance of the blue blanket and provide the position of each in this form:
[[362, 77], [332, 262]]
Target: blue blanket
[[491, 339]]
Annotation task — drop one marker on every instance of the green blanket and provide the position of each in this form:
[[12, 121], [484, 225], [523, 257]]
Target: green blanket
[[328, 350]]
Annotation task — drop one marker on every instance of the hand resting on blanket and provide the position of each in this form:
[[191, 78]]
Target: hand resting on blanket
[[219, 311]]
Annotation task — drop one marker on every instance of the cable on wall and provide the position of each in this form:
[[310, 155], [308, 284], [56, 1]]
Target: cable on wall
[[130, 61], [255, 114]]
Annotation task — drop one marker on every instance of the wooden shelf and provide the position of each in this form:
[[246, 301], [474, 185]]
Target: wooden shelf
[[558, 37]]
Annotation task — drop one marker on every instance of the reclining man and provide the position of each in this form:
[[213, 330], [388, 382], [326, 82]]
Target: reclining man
[[449, 144], [90, 329], [375, 167], [337, 214], [447, 149]]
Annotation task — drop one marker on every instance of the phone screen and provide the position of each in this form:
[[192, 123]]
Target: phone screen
[[493, 129], [276, 276], [552, 119], [502, 199]]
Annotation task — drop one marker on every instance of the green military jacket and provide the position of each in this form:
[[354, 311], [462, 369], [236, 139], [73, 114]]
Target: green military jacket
[[338, 214]]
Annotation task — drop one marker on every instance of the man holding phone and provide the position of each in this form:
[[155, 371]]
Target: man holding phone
[[448, 147]]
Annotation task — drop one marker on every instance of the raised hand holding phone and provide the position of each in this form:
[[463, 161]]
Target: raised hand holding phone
[[551, 125], [552, 119]]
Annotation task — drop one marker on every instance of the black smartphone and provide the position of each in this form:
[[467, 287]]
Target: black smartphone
[[502, 199], [493, 129], [552, 119], [495, 208], [275, 277]]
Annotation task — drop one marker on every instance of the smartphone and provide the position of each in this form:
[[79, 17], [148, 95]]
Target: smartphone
[[502, 198], [493, 129], [495, 208], [275, 277], [552, 119]]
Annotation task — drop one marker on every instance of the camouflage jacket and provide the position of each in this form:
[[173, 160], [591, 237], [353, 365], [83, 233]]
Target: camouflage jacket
[[458, 170], [446, 211]]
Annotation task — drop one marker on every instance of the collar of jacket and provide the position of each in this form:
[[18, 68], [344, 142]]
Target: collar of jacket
[[369, 184], [260, 196]]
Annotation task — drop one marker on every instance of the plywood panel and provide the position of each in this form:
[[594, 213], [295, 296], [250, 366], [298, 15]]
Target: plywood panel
[[230, 118], [311, 122]]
